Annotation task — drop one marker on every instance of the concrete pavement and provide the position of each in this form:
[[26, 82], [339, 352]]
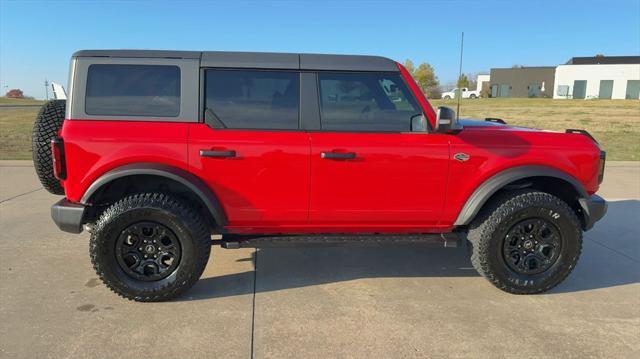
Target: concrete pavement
[[315, 302]]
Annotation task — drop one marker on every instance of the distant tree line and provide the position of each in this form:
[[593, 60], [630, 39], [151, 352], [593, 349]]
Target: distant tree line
[[428, 81], [425, 78]]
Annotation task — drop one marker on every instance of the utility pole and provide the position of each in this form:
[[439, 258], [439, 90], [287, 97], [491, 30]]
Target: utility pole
[[459, 76], [46, 88]]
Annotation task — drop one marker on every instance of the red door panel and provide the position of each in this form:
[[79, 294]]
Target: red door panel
[[265, 183], [394, 180]]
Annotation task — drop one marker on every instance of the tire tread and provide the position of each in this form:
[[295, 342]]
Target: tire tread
[[191, 219], [482, 228]]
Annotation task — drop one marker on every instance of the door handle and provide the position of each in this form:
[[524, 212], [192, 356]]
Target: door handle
[[338, 155], [218, 154]]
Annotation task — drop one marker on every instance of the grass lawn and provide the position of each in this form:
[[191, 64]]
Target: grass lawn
[[614, 123], [15, 132], [19, 101]]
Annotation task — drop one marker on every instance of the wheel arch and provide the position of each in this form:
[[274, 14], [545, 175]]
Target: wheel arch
[[140, 177], [543, 178]]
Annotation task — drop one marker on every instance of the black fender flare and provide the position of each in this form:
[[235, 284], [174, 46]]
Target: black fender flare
[[492, 185], [189, 180]]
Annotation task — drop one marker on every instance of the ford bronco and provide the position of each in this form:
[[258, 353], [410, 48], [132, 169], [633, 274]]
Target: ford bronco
[[157, 151]]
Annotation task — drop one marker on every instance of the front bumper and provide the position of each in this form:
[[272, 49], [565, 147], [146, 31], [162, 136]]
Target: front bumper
[[593, 209], [68, 215]]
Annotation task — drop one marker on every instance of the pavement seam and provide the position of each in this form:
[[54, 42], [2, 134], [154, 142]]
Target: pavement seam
[[613, 250], [253, 310], [20, 195]]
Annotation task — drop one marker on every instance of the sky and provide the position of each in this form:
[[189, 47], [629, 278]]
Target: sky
[[37, 38]]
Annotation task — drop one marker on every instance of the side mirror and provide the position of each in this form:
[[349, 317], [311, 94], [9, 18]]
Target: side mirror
[[419, 123], [446, 120]]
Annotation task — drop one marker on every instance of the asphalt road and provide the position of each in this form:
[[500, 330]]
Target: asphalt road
[[370, 302]]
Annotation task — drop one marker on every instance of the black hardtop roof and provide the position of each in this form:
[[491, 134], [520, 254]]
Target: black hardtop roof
[[267, 60]]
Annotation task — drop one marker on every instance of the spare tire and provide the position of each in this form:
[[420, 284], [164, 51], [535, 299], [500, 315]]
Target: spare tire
[[48, 123]]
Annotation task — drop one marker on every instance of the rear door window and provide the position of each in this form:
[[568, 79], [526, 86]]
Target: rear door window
[[365, 102], [133, 90], [250, 99]]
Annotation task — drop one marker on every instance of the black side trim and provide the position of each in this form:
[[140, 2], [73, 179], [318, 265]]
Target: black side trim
[[594, 208], [195, 184], [232, 241], [482, 194], [68, 215], [309, 103]]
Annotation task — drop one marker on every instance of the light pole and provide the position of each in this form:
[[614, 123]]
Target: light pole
[[46, 88]]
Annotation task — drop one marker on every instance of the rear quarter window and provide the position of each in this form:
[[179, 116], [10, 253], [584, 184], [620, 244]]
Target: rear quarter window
[[133, 90]]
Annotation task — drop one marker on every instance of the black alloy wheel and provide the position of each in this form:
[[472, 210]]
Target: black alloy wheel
[[148, 251], [532, 246]]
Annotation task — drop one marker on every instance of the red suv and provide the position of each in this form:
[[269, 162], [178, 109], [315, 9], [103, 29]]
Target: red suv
[[156, 151]]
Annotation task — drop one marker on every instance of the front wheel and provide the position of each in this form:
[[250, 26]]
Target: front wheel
[[525, 242], [472, 96], [447, 97], [150, 247]]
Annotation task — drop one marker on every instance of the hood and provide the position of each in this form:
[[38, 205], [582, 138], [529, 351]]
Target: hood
[[494, 125]]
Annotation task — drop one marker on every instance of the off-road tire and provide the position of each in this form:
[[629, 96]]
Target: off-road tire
[[47, 124], [487, 235], [182, 219]]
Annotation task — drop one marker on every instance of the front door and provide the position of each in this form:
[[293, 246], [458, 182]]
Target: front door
[[369, 172], [250, 150]]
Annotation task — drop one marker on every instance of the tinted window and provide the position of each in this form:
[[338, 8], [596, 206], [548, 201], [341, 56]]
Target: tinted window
[[133, 90], [365, 102], [252, 99]]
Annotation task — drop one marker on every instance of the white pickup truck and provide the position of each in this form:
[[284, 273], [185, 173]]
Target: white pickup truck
[[466, 93]]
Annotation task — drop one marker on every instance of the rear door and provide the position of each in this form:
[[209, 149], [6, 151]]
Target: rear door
[[250, 149], [369, 172]]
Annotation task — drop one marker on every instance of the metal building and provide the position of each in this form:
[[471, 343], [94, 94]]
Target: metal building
[[522, 82]]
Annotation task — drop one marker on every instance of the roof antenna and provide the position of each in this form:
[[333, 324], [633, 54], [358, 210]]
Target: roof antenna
[[459, 76]]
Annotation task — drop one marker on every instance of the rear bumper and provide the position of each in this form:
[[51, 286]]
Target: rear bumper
[[593, 208], [68, 215]]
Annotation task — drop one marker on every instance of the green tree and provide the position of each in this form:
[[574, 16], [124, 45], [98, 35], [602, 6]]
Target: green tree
[[426, 78], [408, 64], [463, 81]]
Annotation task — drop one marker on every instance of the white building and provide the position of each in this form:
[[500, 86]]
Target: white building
[[481, 80], [605, 77]]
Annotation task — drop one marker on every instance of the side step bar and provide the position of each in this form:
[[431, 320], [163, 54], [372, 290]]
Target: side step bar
[[447, 240]]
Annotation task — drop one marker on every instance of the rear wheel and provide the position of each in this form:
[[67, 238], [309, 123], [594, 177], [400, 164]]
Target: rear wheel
[[447, 97], [525, 242], [47, 124], [150, 247], [472, 96]]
